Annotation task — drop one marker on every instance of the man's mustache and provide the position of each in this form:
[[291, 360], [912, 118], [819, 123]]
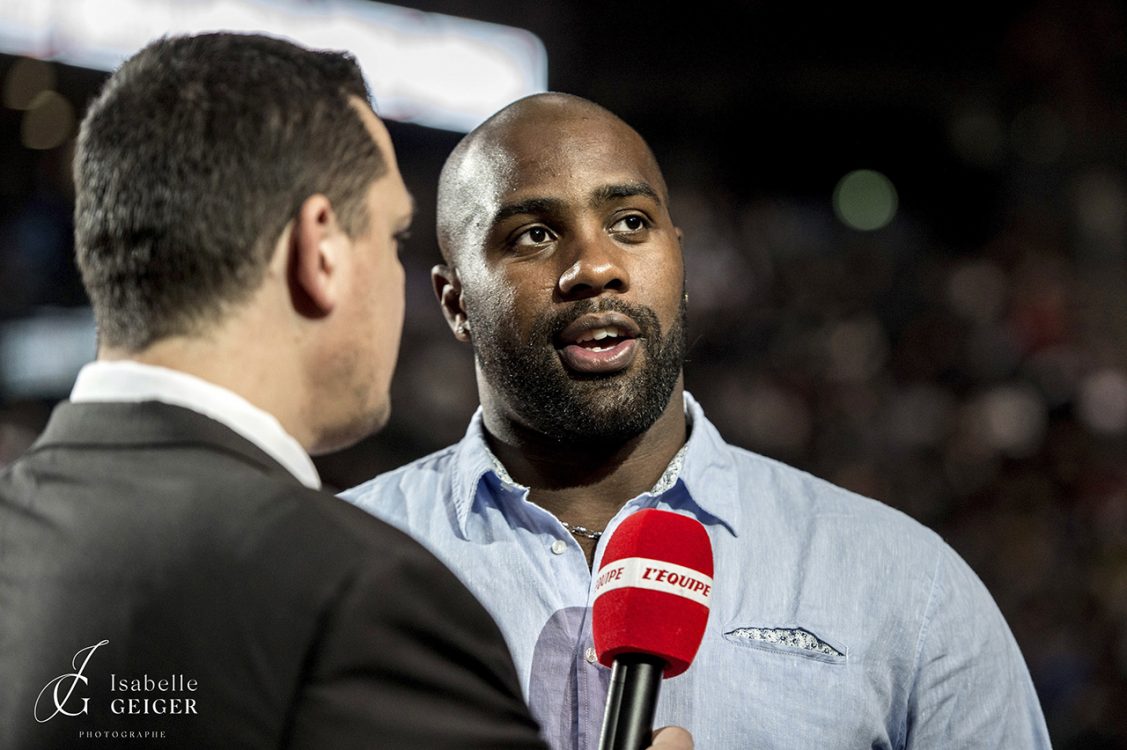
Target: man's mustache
[[553, 323]]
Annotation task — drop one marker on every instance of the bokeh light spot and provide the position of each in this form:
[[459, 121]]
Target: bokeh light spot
[[977, 291], [48, 122], [857, 349], [1103, 401], [865, 200], [1013, 419], [26, 79]]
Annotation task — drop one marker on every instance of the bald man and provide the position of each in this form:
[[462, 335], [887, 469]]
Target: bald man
[[836, 621]]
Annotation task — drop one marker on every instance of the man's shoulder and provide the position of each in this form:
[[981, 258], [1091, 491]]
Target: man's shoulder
[[423, 476], [361, 532], [202, 500], [334, 540], [789, 498], [853, 550], [764, 492]]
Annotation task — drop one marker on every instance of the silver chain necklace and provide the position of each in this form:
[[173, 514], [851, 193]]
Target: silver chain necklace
[[582, 531]]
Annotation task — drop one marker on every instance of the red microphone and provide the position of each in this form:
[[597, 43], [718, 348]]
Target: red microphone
[[652, 597]]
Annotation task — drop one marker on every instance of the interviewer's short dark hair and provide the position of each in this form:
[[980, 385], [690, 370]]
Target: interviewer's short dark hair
[[190, 163]]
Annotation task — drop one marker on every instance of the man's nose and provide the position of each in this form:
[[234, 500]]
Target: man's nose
[[598, 264]]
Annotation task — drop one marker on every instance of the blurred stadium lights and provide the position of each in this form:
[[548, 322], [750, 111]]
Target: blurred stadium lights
[[424, 68]]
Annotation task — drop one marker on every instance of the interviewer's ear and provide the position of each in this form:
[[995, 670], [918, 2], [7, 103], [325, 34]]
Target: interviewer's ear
[[448, 289], [317, 247]]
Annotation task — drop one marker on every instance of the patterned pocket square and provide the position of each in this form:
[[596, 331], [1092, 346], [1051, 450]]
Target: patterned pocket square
[[795, 638]]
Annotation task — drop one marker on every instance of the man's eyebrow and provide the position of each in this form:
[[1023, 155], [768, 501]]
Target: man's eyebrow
[[529, 206], [608, 193]]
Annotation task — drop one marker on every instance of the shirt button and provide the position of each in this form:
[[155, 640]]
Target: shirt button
[[590, 655], [558, 547]]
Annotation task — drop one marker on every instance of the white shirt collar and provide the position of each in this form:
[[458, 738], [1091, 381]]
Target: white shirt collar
[[129, 381]]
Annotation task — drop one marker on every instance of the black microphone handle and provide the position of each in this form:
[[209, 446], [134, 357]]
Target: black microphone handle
[[628, 723]]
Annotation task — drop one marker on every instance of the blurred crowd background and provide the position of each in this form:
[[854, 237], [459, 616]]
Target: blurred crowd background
[[906, 243]]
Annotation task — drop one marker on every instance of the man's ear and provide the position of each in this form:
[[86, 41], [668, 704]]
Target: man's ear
[[448, 289], [316, 256]]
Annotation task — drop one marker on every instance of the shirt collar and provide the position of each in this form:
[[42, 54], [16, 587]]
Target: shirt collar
[[665, 482], [703, 468], [130, 381], [709, 474]]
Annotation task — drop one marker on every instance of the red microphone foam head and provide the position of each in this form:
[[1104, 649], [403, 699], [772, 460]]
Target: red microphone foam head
[[653, 589]]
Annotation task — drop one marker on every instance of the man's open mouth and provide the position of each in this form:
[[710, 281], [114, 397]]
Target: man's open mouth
[[599, 343]]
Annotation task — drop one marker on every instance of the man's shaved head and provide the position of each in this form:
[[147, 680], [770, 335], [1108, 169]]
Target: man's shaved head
[[564, 271], [483, 162]]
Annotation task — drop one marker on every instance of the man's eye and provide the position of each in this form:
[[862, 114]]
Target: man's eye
[[400, 239], [631, 223], [534, 236]]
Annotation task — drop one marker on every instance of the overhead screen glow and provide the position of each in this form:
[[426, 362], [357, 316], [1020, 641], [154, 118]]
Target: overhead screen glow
[[425, 68]]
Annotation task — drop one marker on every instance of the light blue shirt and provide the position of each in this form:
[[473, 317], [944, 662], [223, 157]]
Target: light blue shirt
[[836, 621]]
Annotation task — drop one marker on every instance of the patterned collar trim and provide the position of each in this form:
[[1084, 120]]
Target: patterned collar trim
[[664, 483], [703, 468]]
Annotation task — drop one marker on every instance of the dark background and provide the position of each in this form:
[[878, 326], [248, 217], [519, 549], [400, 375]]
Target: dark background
[[966, 363]]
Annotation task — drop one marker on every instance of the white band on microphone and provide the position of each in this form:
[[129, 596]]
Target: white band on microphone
[[655, 575]]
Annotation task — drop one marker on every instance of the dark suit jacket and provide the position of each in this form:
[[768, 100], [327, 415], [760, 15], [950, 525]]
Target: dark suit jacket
[[303, 621]]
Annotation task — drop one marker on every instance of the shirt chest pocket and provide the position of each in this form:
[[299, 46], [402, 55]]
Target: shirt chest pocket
[[779, 667], [777, 686]]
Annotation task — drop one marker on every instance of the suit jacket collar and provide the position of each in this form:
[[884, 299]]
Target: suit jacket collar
[[113, 425]]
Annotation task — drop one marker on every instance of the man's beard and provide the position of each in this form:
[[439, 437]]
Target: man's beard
[[569, 406]]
